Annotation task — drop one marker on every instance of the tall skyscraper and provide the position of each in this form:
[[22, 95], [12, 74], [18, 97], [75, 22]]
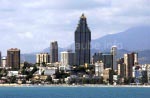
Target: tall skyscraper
[[54, 52], [0, 59], [82, 42], [114, 53], [13, 58]]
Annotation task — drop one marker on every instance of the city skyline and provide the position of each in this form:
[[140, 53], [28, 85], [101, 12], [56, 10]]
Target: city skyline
[[29, 21]]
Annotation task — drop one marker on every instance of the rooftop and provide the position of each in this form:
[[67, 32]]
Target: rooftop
[[14, 49], [83, 16]]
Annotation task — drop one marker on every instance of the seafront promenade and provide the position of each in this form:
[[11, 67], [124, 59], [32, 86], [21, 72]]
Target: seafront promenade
[[66, 85]]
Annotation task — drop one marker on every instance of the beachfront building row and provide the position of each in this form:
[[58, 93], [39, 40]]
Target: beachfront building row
[[127, 67], [78, 64]]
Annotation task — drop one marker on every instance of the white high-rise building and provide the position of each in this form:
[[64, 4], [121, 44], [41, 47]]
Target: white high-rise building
[[4, 62], [67, 58], [114, 53], [135, 58], [99, 68], [42, 58]]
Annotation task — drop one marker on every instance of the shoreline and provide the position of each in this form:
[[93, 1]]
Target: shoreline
[[84, 85]]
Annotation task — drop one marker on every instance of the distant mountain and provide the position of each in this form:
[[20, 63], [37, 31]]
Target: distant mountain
[[28, 57], [134, 39], [144, 57]]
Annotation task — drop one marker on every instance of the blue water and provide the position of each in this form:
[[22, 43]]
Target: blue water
[[72, 92]]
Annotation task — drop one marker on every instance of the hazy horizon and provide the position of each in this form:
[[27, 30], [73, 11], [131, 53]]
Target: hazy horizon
[[31, 25]]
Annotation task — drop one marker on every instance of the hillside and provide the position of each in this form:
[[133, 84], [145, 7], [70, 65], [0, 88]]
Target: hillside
[[136, 38]]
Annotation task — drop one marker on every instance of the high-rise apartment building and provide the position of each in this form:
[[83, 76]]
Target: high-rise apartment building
[[54, 52], [114, 53], [130, 60], [4, 62], [108, 75], [42, 58], [99, 68], [82, 42], [97, 57], [67, 58], [121, 68], [13, 58], [108, 60]]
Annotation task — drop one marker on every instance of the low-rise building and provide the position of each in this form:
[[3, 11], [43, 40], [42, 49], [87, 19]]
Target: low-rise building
[[12, 73], [47, 70]]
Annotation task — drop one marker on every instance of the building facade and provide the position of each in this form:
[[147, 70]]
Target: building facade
[[137, 74], [54, 52], [67, 58], [121, 68], [108, 75], [99, 68], [108, 60], [42, 58], [82, 42], [4, 62], [114, 53], [130, 60], [97, 57], [13, 58]]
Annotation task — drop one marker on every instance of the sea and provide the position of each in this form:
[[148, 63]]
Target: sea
[[74, 92]]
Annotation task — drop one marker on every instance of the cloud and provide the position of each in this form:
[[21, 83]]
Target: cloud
[[26, 35], [32, 24]]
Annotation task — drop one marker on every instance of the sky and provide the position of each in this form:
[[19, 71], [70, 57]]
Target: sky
[[31, 25]]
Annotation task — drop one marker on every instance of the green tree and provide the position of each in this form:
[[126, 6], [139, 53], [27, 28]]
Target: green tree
[[12, 79]]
